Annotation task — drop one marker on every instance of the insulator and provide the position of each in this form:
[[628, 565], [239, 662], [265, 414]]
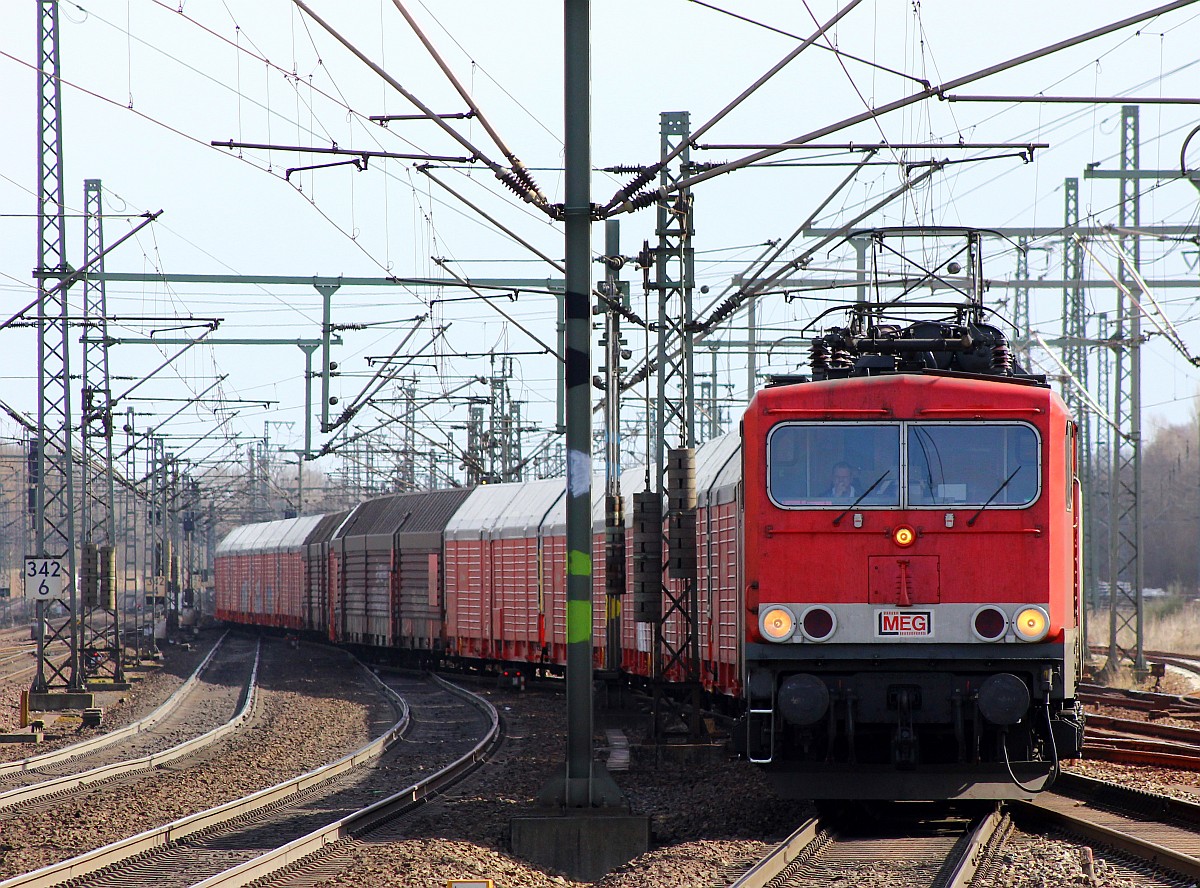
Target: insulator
[[522, 173], [818, 355], [841, 358], [513, 182], [1002, 361], [644, 175], [645, 199], [625, 169]]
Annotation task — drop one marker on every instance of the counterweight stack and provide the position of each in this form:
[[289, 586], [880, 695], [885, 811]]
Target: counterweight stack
[[647, 557]]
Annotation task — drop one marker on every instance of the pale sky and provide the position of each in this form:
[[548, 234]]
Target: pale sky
[[148, 85]]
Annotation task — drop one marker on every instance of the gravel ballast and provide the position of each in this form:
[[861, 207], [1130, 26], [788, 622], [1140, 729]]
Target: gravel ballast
[[315, 705]]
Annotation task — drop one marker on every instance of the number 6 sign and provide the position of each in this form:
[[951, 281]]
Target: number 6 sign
[[44, 578]]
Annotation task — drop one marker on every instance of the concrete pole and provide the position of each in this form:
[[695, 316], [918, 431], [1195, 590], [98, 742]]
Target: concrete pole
[[578, 221]]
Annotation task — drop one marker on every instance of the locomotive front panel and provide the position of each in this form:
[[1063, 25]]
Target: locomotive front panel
[[911, 555]]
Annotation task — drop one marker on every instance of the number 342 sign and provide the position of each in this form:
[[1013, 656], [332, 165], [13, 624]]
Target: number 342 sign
[[44, 578]]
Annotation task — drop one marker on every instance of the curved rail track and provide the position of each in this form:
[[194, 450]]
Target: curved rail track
[[1155, 830], [444, 730], [1134, 742], [215, 700]]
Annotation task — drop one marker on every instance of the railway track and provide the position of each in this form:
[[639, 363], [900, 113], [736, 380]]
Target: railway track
[[215, 700], [930, 854], [280, 827], [1158, 832], [1133, 742], [1154, 839], [15, 660]]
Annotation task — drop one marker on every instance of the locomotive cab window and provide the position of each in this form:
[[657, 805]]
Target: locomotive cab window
[[973, 464], [905, 465], [834, 465]]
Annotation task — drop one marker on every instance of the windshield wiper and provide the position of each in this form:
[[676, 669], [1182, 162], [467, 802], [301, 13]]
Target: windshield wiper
[[865, 494], [995, 494]]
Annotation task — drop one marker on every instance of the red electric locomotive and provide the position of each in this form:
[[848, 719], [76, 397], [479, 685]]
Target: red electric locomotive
[[890, 591], [911, 567]]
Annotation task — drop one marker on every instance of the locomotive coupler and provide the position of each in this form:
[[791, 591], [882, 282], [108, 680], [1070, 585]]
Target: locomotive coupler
[[904, 741], [851, 702], [960, 728]]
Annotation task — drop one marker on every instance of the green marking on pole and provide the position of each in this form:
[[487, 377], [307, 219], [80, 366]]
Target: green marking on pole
[[579, 621], [579, 564]]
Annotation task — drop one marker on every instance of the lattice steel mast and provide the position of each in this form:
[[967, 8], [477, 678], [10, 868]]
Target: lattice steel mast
[[1075, 351], [100, 637], [54, 510], [1125, 527], [678, 638]]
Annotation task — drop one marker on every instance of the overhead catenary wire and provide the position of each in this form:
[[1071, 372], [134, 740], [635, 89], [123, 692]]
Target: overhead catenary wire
[[379, 379], [623, 200], [930, 92], [550, 350], [738, 299], [1156, 317], [832, 49], [614, 304], [506, 177], [518, 168]]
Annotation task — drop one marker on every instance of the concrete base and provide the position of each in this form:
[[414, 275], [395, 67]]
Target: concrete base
[[583, 844], [28, 737], [108, 686], [57, 701]]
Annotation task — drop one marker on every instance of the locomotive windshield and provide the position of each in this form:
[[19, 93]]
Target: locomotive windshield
[[972, 465], [910, 464], [834, 464]]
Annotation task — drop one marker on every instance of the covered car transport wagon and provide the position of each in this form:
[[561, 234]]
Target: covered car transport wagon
[[261, 575], [386, 559]]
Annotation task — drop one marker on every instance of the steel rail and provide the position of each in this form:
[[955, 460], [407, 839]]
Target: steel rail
[[20, 655], [1074, 819], [780, 857], [1132, 751], [88, 746], [91, 861], [71, 782], [1133, 699], [372, 816], [1108, 726], [974, 852], [969, 854]]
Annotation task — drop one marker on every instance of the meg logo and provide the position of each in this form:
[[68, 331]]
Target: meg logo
[[903, 623]]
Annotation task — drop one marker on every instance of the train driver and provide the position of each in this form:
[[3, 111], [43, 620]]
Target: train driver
[[842, 488]]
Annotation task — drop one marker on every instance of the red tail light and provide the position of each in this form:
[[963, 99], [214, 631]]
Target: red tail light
[[818, 623], [990, 623]]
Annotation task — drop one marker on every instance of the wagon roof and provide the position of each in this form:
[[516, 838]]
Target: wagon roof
[[324, 529], [504, 509], [269, 536], [421, 512]]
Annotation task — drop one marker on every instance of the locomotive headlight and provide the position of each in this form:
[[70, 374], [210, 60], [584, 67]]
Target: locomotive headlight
[[904, 536], [1031, 623], [777, 623]]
